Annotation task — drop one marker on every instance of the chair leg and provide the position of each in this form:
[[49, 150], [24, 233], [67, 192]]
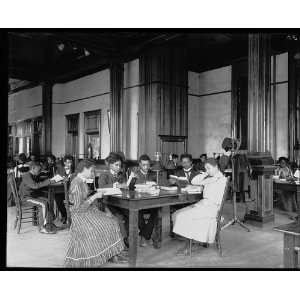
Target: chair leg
[[191, 243], [218, 242], [19, 223]]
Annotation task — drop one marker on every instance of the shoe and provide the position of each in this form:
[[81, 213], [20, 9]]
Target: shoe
[[117, 259], [143, 242], [46, 231], [64, 220]]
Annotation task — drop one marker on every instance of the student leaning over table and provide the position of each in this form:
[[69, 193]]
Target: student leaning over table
[[198, 221], [95, 236]]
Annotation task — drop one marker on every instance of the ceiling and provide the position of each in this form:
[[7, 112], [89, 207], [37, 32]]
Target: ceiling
[[60, 56]]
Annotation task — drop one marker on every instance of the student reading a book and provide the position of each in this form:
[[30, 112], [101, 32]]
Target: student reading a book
[[198, 221], [142, 175], [30, 191], [66, 171], [110, 179], [95, 236], [185, 176]]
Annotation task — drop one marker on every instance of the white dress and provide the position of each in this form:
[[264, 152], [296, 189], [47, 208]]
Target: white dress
[[198, 221]]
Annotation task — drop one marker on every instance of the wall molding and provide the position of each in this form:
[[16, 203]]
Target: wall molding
[[209, 94]]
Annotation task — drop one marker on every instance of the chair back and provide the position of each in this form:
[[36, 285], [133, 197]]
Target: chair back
[[220, 211], [67, 203], [14, 189]]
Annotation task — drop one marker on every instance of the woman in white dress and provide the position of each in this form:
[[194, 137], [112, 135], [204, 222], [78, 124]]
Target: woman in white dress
[[198, 221]]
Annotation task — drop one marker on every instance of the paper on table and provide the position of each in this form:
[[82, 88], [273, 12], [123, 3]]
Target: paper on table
[[110, 191], [57, 178], [169, 188]]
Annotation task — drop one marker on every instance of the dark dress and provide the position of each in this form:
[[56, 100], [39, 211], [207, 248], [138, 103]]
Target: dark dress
[[94, 237]]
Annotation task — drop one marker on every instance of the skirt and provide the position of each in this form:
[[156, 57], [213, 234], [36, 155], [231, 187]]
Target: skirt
[[197, 222], [93, 239]]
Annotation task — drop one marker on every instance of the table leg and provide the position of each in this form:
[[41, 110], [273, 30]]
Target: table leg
[[298, 203], [50, 212], [157, 229], [133, 235]]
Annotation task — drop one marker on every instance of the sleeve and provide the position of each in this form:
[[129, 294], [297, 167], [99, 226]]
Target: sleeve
[[76, 197], [199, 179], [28, 181], [103, 181]]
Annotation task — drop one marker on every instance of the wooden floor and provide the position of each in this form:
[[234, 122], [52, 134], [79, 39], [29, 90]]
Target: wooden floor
[[260, 248]]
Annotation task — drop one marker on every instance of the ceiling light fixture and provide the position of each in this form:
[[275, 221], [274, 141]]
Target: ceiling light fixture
[[60, 46]]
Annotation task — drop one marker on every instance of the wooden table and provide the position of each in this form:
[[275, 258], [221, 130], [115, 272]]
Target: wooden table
[[134, 202], [291, 244], [51, 190], [290, 186]]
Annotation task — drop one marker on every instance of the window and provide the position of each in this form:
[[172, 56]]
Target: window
[[72, 124], [92, 124]]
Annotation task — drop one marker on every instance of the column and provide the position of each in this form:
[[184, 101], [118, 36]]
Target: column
[[116, 89], [260, 128], [47, 117], [163, 96]]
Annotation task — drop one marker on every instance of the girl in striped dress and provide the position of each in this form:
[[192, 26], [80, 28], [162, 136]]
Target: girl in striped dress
[[94, 235]]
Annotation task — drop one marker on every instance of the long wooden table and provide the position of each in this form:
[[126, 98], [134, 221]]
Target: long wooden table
[[290, 186], [291, 231], [134, 202], [51, 190]]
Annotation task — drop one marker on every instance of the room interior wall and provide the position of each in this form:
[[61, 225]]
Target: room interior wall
[[25, 104], [209, 110], [87, 93]]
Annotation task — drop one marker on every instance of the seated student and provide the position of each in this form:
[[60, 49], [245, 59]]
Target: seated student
[[67, 171], [143, 174], [50, 167], [95, 236], [30, 192], [67, 168], [33, 158], [201, 165], [187, 171], [112, 179], [198, 221], [22, 167], [286, 198]]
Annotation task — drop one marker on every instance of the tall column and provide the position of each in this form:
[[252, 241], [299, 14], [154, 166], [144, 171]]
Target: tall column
[[116, 88], [47, 117], [260, 128], [163, 97]]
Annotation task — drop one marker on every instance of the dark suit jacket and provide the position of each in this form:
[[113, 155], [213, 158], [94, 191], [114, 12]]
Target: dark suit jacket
[[141, 178], [181, 173], [107, 179], [31, 185]]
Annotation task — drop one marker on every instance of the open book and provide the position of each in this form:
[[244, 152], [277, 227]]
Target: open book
[[182, 178], [110, 191], [57, 178]]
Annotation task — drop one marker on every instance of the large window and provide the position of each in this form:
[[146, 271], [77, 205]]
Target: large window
[[72, 124], [92, 127]]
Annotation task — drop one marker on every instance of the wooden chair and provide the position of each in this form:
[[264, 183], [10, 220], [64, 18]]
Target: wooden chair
[[219, 220], [22, 209]]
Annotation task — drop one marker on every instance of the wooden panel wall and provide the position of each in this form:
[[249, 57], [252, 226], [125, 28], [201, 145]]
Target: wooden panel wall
[[260, 133], [163, 96], [116, 87]]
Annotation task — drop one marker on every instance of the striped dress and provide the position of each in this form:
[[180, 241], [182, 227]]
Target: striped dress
[[94, 237]]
